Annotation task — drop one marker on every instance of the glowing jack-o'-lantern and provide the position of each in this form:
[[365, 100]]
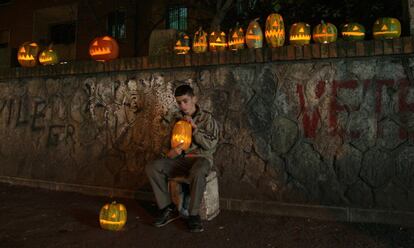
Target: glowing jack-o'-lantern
[[104, 48], [48, 57], [386, 28], [325, 33], [181, 134], [275, 30], [236, 38], [27, 54], [254, 35], [353, 31], [113, 216], [300, 34], [200, 41], [182, 45], [217, 41]]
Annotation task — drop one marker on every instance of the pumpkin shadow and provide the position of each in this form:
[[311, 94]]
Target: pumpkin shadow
[[86, 217]]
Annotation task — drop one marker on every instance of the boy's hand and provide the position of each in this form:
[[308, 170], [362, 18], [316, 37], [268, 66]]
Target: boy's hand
[[190, 120], [174, 152]]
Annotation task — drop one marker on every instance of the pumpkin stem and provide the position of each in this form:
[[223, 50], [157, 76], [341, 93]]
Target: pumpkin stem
[[323, 22]]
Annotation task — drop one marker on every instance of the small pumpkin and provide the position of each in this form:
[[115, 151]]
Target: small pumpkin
[[27, 54], [353, 31], [254, 35], [113, 216], [236, 38], [325, 33], [182, 45], [300, 34], [275, 30], [48, 57], [217, 41], [386, 28], [104, 48], [181, 134], [200, 41]]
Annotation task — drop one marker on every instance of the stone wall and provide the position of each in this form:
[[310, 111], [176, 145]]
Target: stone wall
[[333, 132]]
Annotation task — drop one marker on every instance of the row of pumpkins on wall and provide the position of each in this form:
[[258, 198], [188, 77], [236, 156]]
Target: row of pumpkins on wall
[[101, 49], [300, 34]]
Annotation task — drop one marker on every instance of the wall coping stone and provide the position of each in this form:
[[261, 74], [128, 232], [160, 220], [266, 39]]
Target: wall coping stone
[[285, 54]]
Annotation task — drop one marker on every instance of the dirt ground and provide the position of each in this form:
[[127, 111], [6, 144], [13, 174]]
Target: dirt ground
[[40, 218]]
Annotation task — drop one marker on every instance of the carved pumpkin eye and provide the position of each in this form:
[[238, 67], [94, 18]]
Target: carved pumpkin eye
[[384, 27], [301, 30]]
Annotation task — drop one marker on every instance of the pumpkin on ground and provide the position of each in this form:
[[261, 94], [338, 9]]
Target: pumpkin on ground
[[113, 216]]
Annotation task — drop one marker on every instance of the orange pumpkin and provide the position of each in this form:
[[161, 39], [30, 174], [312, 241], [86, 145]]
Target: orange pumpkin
[[27, 54], [254, 35], [182, 45], [236, 38], [200, 41], [104, 48], [181, 134], [300, 34], [217, 41], [113, 216], [275, 30]]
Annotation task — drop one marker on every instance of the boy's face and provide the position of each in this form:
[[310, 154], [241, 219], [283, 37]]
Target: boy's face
[[186, 103]]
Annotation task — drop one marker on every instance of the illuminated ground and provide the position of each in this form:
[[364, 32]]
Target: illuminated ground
[[39, 218]]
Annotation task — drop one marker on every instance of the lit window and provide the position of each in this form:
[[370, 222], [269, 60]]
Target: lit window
[[177, 18]]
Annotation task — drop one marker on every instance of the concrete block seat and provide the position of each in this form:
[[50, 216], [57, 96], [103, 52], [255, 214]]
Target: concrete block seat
[[180, 194]]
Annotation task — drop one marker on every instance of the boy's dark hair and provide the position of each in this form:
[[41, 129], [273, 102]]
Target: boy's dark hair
[[184, 90]]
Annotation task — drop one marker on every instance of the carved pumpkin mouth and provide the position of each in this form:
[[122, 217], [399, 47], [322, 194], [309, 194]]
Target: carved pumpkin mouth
[[181, 49], [25, 57], [112, 222], [45, 59], [274, 33], [324, 35], [386, 32], [353, 33], [300, 37], [100, 51]]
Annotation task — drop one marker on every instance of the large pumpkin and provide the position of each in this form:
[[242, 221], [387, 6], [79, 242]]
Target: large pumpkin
[[254, 35], [300, 34], [48, 57], [104, 48], [113, 216], [27, 54], [200, 41], [386, 28], [325, 33], [236, 38], [353, 31], [182, 45], [275, 30], [181, 134], [217, 41]]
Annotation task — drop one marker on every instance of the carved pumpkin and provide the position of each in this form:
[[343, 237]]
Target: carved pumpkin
[[104, 48], [386, 28], [48, 57], [217, 41], [353, 31], [325, 33], [181, 134], [27, 54], [236, 38], [182, 45], [113, 216], [200, 41], [275, 30], [300, 34], [254, 35]]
